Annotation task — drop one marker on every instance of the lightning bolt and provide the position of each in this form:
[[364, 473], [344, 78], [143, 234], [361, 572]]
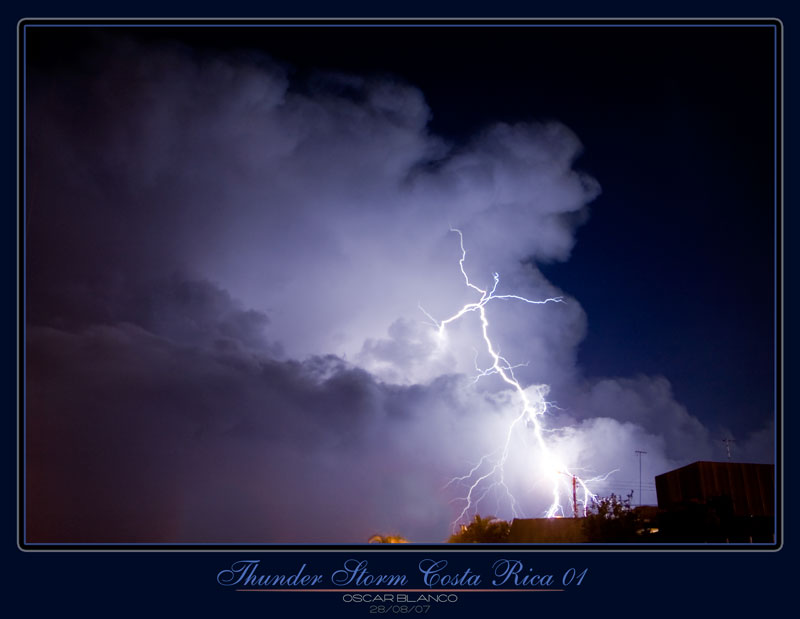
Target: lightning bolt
[[489, 472]]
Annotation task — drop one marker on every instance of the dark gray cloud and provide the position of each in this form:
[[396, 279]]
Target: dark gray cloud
[[225, 340], [137, 438]]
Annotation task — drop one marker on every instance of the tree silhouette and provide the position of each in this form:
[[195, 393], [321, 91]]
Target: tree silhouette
[[611, 519], [487, 530], [387, 539]]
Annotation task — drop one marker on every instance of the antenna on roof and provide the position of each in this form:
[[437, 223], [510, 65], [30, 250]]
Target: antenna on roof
[[728, 442], [640, 453]]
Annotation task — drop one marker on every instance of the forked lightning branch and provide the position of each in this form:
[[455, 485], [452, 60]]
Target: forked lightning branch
[[490, 471]]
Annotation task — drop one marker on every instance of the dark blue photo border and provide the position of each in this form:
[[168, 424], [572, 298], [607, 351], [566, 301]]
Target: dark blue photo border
[[157, 580], [307, 24]]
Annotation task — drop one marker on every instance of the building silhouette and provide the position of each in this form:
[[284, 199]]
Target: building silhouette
[[718, 502], [703, 502]]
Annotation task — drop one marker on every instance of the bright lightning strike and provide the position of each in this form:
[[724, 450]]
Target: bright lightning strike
[[489, 472]]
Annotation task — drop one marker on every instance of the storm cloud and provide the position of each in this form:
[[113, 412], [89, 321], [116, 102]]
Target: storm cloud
[[225, 269]]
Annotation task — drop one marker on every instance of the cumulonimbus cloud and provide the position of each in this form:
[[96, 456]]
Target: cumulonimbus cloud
[[224, 280]]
